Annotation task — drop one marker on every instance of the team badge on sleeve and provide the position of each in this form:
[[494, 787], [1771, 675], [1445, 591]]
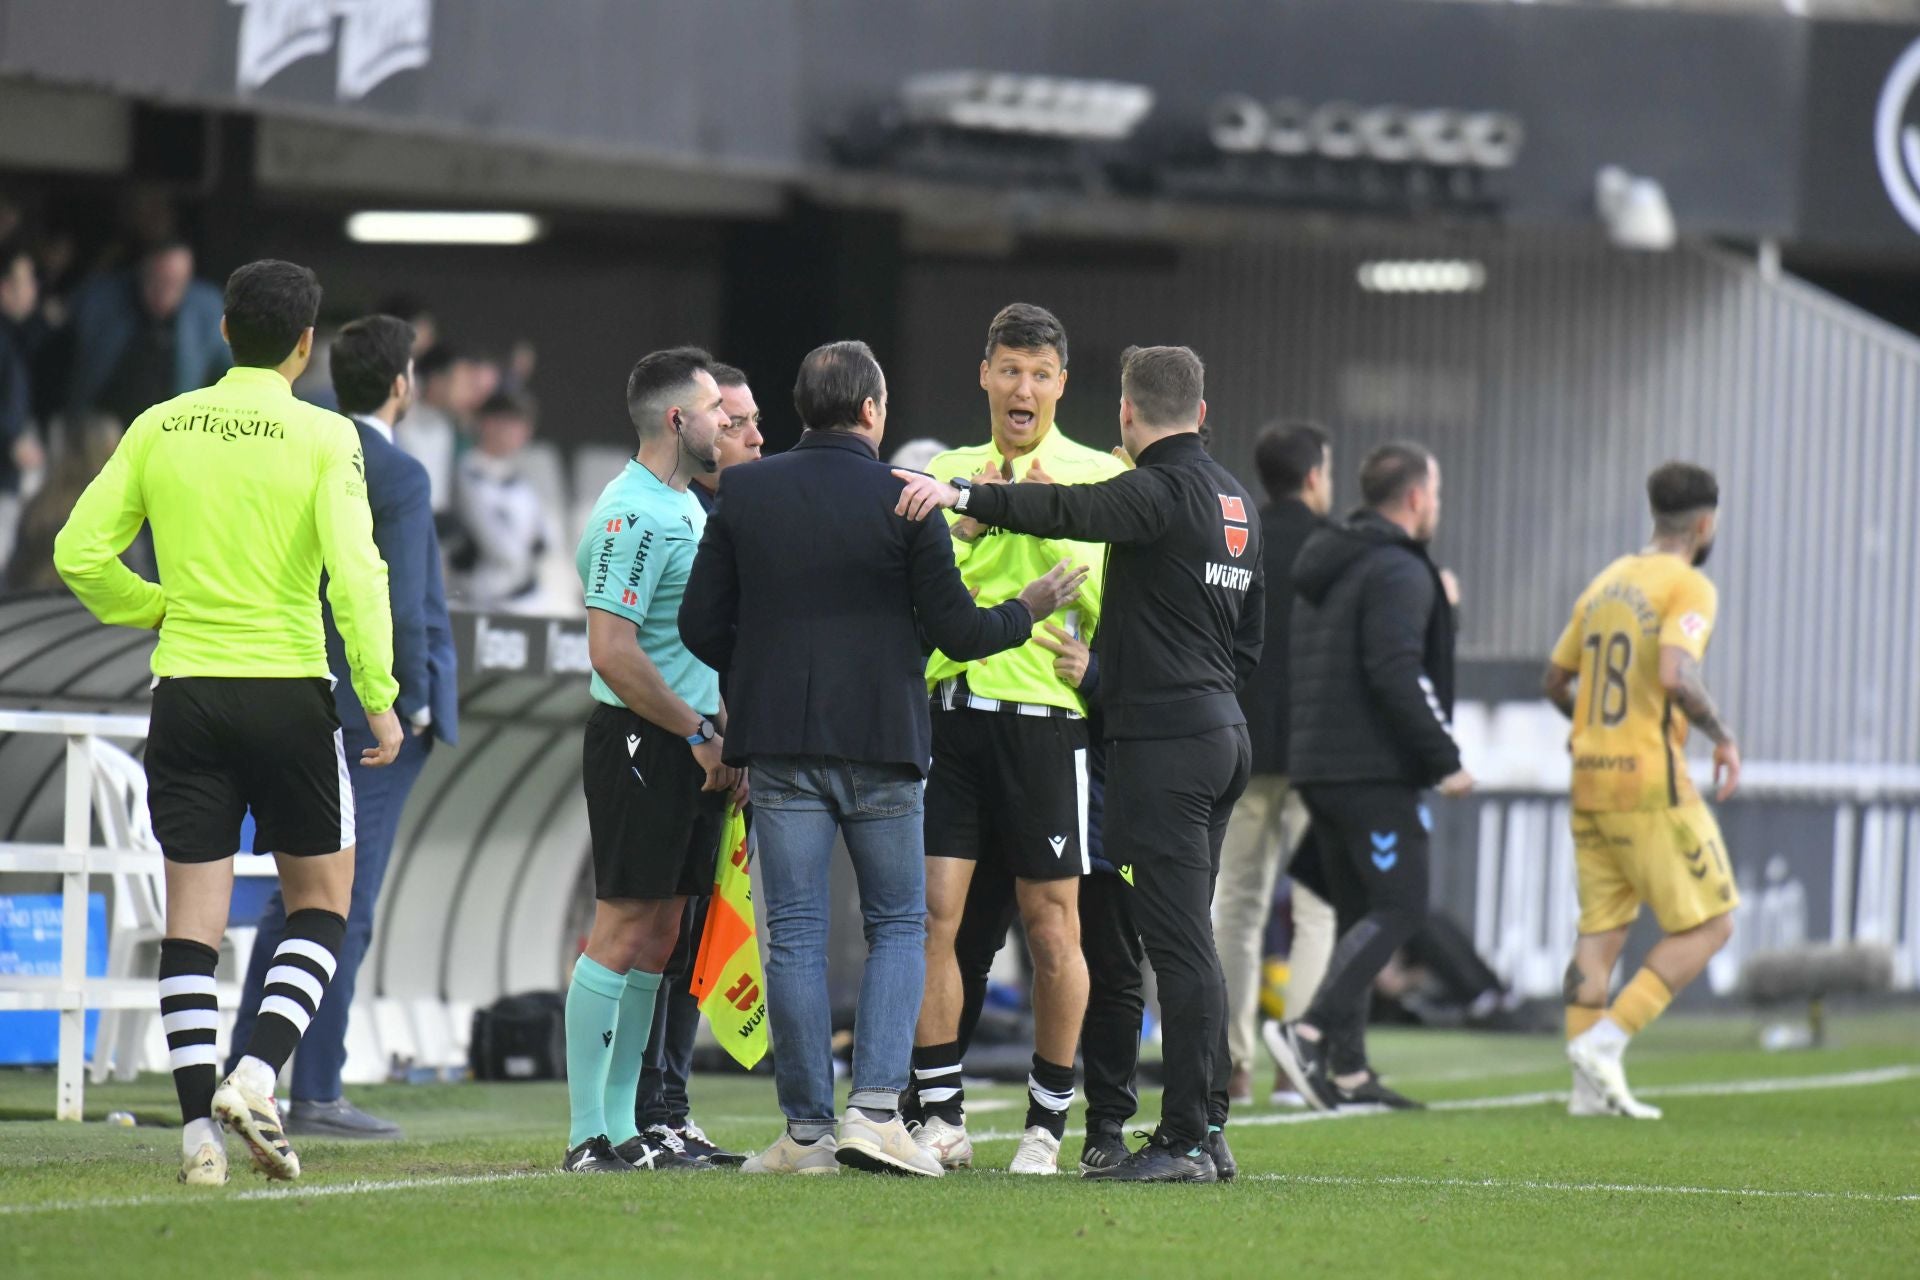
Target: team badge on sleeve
[[1692, 626]]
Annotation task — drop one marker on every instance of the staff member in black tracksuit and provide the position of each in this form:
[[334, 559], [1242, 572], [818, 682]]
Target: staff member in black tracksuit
[[1181, 635], [1372, 677]]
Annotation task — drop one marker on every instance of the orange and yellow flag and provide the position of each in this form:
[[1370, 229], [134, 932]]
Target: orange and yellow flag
[[727, 978]]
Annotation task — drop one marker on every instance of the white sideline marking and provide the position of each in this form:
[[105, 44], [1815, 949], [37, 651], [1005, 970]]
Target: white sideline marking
[[1843, 1080], [1725, 1088], [361, 1188], [1504, 1184]]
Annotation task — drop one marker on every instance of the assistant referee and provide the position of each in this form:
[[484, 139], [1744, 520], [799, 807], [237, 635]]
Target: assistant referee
[[1181, 634], [251, 495]]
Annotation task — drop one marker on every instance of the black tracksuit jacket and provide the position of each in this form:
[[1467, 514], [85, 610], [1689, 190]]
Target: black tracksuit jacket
[[1182, 617], [1372, 659]]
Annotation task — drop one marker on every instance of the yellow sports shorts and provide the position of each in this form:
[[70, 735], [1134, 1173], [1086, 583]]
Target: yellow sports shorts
[[1672, 860]]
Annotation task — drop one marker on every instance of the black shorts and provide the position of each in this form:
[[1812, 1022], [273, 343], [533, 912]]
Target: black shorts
[[221, 745], [1009, 789], [656, 834]]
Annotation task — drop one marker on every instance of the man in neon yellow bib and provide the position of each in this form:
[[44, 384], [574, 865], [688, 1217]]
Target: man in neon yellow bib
[[1008, 787]]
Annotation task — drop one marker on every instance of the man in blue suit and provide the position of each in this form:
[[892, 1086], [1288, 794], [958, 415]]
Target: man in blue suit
[[373, 377]]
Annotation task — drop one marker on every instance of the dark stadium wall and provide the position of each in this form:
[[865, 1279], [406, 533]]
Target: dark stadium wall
[[1591, 85]]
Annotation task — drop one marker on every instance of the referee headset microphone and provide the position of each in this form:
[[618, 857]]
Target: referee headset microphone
[[709, 461]]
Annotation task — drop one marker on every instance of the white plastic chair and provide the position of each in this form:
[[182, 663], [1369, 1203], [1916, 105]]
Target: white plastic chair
[[139, 919]]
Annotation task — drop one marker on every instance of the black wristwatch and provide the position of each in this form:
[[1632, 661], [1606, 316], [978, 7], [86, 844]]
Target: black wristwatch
[[965, 487], [703, 734]]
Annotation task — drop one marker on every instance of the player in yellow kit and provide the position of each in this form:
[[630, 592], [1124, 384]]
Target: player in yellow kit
[[1627, 673]]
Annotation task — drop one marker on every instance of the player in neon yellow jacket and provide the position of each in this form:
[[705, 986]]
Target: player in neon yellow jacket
[[251, 495], [1007, 792]]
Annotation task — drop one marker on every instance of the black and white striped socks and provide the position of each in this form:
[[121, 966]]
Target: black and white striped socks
[[296, 984], [190, 1015], [937, 1080]]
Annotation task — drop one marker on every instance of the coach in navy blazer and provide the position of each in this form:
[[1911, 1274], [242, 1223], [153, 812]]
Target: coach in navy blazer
[[373, 377]]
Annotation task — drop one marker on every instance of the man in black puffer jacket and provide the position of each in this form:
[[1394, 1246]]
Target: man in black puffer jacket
[[1372, 676]]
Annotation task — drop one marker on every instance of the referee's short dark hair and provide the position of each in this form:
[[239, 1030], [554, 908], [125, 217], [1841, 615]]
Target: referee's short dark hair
[[1164, 384], [1678, 490], [1287, 453], [660, 377], [1021, 326], [1390, 470], [727, 375], [269, 304], [367, 355], [835, 381]]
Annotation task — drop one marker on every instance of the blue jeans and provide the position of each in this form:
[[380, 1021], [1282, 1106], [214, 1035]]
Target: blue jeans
[[378, 797], [799, 803]]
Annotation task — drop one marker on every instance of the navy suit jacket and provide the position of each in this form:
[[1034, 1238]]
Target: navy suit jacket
[[817, 605], [423, 658]]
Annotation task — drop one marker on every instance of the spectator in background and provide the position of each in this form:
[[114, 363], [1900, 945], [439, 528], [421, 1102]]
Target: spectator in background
[[20, 334], [145, 335], [500, 510], [914, 455], [413, 309], [431, 430], [1295, 461], [30, 567]]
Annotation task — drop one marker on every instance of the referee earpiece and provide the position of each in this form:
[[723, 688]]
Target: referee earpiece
[[676, 422]]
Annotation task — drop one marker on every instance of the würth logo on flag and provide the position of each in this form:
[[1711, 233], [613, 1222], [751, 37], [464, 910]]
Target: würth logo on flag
[[1234, 509]]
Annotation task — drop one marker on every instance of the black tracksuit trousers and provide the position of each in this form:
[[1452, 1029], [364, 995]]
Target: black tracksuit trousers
[[1167, 805], [1373, 849]]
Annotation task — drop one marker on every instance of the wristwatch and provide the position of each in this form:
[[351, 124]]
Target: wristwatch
[[701, 735], [965, 487]]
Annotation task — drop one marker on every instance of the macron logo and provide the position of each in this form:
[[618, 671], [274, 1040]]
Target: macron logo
[[1059, 844]]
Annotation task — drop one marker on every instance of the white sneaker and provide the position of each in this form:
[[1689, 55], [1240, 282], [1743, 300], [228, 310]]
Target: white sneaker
[[947, 1143], [788, 1156], [1607, 1080], [206, 1167], [1585, 1100], [883, 1146], [255, 1117], [1039, 1153]]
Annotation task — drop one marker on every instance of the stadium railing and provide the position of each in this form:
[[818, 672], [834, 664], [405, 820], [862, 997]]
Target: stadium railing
[[76, 860]]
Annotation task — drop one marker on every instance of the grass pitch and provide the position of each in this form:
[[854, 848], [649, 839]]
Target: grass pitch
[[1794, 1164]]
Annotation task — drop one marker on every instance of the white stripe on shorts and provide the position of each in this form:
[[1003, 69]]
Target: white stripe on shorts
[[1081, 802], [346, 794], [291, 1010]]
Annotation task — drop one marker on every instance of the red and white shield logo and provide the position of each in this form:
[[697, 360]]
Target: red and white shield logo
[[1234, 509]]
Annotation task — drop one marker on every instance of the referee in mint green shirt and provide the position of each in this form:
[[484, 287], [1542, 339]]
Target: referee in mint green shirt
[[656, 787], [251, 494]]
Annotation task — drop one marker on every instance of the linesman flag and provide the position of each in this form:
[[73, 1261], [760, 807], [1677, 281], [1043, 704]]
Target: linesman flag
[[727, 977]]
